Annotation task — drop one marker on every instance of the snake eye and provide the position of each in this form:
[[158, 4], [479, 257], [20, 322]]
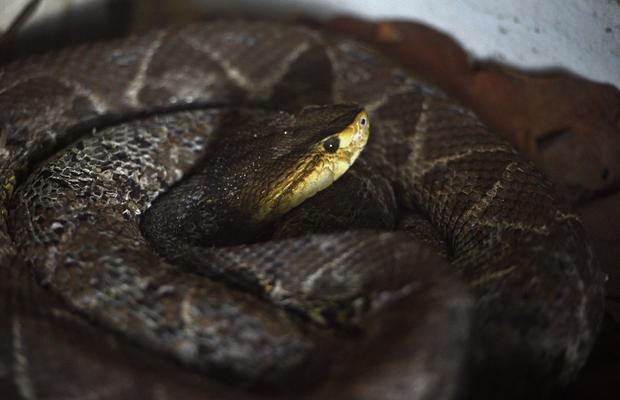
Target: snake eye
[[331, 144], [363, 122]]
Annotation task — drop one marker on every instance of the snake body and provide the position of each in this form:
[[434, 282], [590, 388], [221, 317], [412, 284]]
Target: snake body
[[132, 118]]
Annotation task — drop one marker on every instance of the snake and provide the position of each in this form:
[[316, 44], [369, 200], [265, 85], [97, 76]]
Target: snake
[[239, 208]]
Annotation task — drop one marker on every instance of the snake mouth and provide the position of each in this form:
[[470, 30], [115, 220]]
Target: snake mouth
[[322, 165]]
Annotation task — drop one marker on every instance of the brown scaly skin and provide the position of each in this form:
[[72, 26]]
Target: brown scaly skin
[[75, 222]]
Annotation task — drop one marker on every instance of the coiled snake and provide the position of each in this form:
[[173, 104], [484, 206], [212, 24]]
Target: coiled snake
[[363, 291]]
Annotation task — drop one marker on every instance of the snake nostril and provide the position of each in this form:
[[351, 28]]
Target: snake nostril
[[605, 173]]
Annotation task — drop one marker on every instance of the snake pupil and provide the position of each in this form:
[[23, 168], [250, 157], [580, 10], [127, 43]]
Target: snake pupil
[[331, 144]]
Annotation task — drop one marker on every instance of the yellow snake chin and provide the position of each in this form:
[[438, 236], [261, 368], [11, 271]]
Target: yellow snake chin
[[319, 169]]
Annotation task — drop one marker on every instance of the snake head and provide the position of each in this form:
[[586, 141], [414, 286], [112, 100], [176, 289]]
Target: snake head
[[330, 139]]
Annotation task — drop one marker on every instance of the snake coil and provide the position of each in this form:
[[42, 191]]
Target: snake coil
[[96, 133]]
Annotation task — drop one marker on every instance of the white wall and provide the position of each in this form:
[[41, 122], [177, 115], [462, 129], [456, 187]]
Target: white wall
[[579, 35]]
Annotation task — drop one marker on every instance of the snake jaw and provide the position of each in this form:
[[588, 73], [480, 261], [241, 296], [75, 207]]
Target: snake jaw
[[318, 170]]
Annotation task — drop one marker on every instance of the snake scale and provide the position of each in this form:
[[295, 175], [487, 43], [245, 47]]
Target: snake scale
[[441, 262]]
